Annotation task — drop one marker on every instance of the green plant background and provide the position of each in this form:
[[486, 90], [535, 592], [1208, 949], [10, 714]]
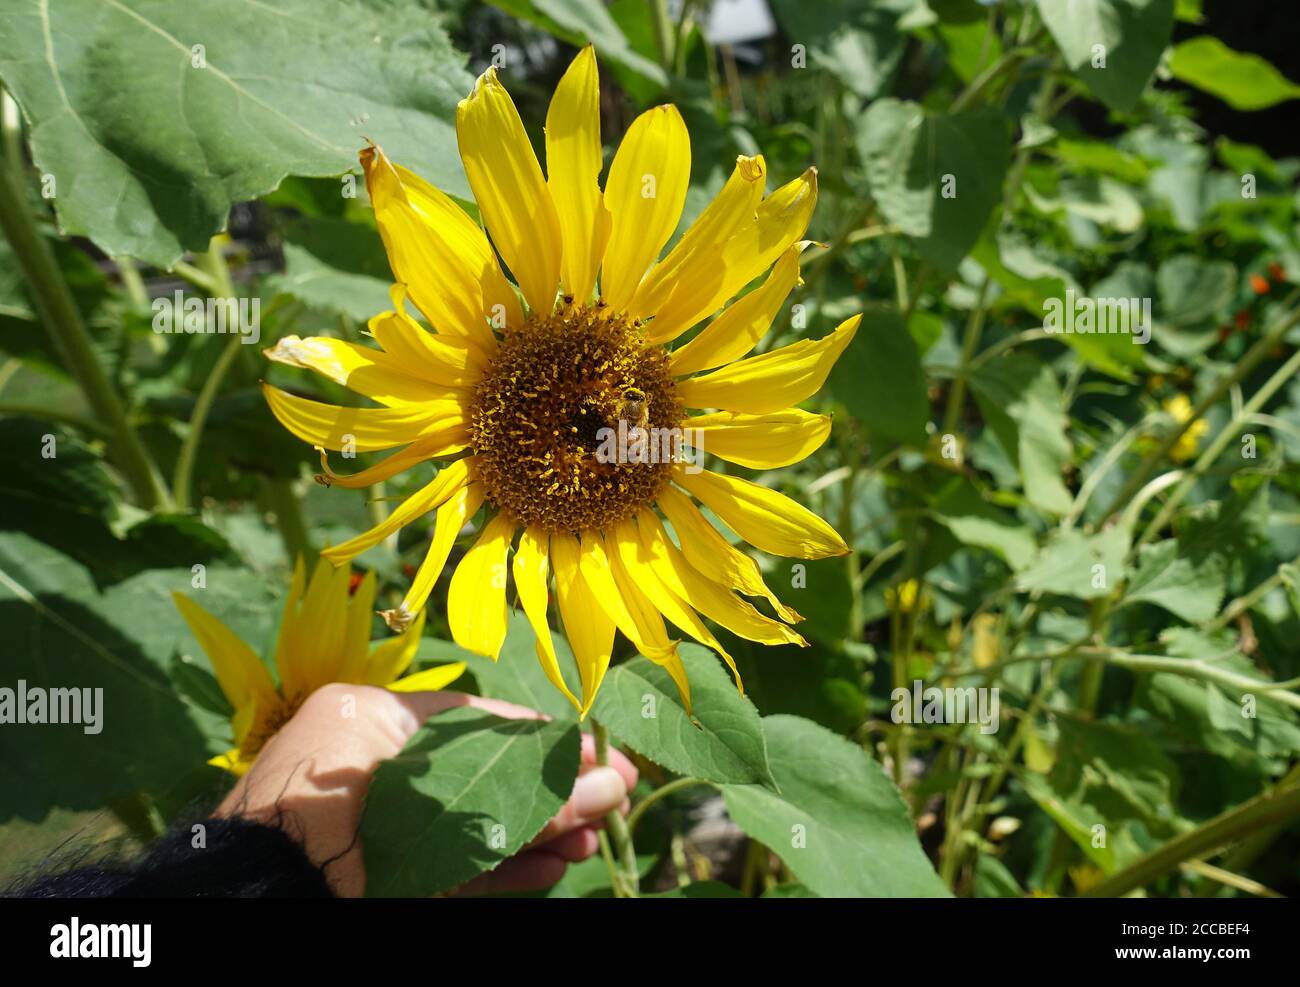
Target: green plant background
[[1026, 511]]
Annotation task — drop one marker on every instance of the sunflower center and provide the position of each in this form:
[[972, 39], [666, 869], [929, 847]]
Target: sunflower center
[[549, 412]]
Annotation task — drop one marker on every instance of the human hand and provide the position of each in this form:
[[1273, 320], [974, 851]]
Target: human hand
[[311, 779]]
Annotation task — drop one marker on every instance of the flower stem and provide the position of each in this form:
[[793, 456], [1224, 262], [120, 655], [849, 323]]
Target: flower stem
[[58, 311], [626, 876]]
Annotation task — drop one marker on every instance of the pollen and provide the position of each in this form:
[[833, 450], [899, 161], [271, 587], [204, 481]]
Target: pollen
[[557, 389]]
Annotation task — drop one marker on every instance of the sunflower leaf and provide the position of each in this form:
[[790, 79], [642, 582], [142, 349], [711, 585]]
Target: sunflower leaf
[[467, 791], [723, 743], [838, 822], [153, 119]]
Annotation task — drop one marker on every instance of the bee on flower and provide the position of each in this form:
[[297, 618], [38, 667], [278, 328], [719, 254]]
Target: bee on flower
[[512, 382]]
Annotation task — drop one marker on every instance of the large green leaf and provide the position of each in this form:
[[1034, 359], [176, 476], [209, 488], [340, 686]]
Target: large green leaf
[[151, 139], [835, 819], [880, 380], [1242, 80], [467, 791], [1112, 45], [723, 742], [62, 633], [938, 178]]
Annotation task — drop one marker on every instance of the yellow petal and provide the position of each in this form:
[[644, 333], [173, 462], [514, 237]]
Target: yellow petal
[[766, 519], [441, 358], [476, 601], [510, 190], [771, 381], [573, 163], [586, 624], [435, 248], [730, 209], [240, 673], [450, 479], [389, 659], [292, 677], [431, 679], [645, 192], [651, 637], [761, 442], [736, 331], [706, 549], [363, 369], [370, 429], [386, 468], [710, 598], [356, 635], [451, 518], [638, 562], [321, 628], [233, 761], [644, 629], [707, 284], [530, 567]]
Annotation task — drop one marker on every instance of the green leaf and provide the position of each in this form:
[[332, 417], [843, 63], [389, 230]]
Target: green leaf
[[859, 44], [837, 822], [63, 633], [585, 22], [1242, 80], [467, 791], [938, 178], [1132, 35], [723, 743], [335, 265], [1171, 578], [974, 521], [1021, 401], [150, 139], [699, 889], [880, 380], [1076, 564], [1192, 290]]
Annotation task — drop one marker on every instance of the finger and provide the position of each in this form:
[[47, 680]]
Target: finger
[[411, 709], [529, 871], [575, 846], [617, 760]]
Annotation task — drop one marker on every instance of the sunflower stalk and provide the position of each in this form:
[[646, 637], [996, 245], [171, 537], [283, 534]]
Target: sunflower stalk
[[58, 312], [625, 875]]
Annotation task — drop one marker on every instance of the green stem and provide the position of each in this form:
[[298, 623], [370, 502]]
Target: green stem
[[626, 873], [184, 474], [974, 328], [283, 502], [662, 792], [1265, 811], [1243, 367], [1284, 374], [58, 311]]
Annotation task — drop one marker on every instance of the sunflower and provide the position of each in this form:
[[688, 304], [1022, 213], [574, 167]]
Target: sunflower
[[324, 637], [515, 390]]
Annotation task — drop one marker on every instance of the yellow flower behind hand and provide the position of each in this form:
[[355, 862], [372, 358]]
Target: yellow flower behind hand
[[520, 390], [324, 637], [1179, 408]]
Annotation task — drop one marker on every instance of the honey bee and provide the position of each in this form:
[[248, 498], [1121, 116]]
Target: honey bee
[[633, 408]]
